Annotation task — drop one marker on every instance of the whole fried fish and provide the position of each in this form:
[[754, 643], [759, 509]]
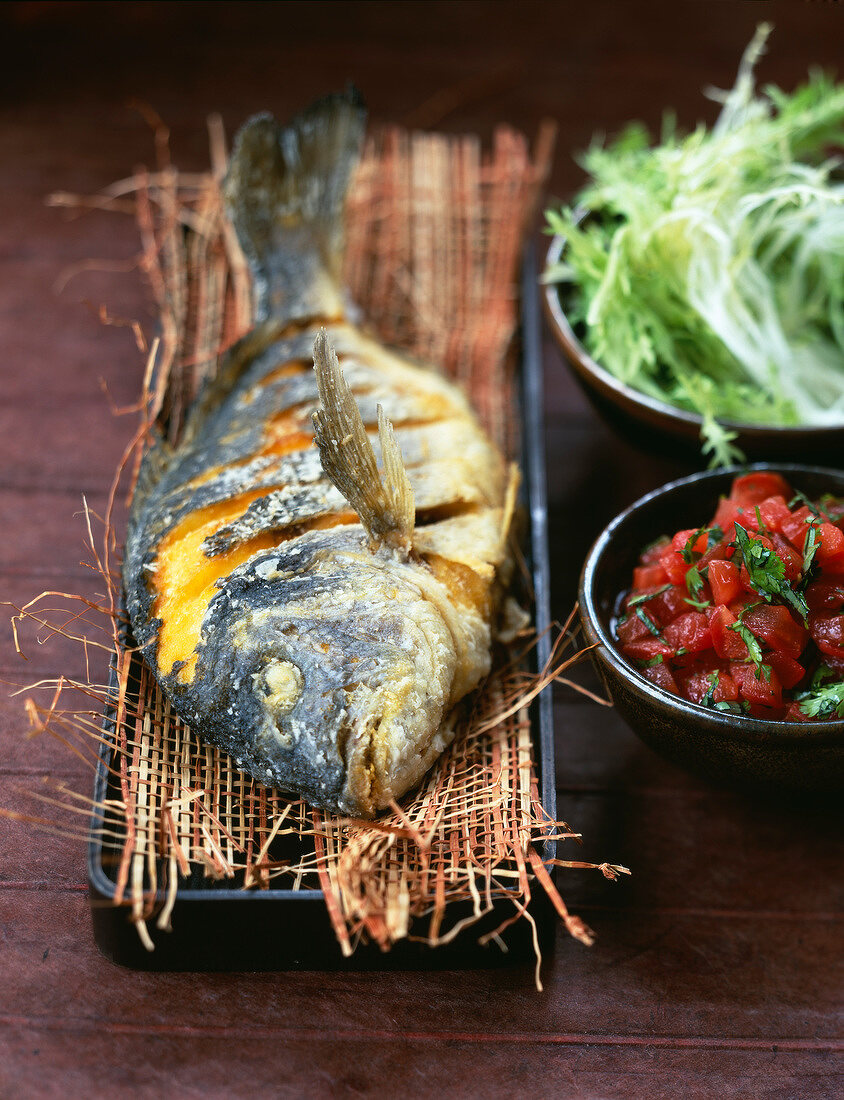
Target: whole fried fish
[[316, 616]]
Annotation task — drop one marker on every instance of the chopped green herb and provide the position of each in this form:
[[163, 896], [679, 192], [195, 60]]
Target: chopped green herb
[[694, 581], [742, 707], [648, 621], [709, 699], [810, 548], [688, 552], [663, 540], [767, 572], [650, 661], [645, 596], [754, 650], [833, 507], [698, 605], [801, 498], [714, 535], [821, 699]]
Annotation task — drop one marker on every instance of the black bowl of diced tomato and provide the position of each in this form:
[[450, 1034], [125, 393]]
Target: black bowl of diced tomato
[[715, 609]]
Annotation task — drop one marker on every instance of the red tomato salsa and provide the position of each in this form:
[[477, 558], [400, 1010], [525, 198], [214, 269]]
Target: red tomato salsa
[[746, 614]]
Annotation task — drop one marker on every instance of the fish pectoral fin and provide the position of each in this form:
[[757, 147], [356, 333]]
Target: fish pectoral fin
[[396, 484], [385, 505]]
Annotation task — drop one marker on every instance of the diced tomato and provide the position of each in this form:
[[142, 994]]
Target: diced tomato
[[682, 538], [661, 676], [653, 553], [789, 671], [631, 629], [833, 509], [766, 713], [703, 595], [756, 487], [690, 632], [700, 654], [674, 566], [727, 690], [649, 576], [793, 713], [683, 660], [645, 649], [726, 515], [827, 632], [724, 580], [720, 551], [836, 664], [830, 552], [795, 528], [669, 604], [825, 595], [741, 602], [776, 627], [774, 511], [696, 683], [757, 687], [664, 606], [791, 559], [726, 642]]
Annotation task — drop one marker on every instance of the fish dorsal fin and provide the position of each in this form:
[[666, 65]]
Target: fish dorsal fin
[[385, 505]]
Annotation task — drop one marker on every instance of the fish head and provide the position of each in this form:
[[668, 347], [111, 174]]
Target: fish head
[[330, 667]]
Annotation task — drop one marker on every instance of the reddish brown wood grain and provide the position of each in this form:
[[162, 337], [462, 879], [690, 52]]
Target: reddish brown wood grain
[[717, 969]]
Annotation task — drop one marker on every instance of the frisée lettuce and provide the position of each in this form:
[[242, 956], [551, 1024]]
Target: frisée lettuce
[[707, 270]]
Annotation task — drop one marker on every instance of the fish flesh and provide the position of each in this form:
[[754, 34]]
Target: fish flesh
[[315, 612]]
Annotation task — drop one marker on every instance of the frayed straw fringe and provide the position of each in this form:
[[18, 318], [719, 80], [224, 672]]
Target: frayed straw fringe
[[180, 807]]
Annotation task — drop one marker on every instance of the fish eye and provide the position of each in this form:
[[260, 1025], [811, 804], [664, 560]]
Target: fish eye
[[280, 682]]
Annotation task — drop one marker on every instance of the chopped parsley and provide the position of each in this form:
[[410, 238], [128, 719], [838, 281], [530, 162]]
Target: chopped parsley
[[648, 621], [709, 698], [651, 661], [801, 498], [635, 601], [742, 707], [821, 699], [694, 577], [698, 605], [810, 548], [767, 572]]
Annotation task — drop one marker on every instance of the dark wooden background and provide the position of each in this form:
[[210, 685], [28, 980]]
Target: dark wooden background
[[717, 966]]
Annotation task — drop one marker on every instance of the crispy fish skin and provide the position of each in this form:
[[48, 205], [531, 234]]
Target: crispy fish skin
[[314, 614]]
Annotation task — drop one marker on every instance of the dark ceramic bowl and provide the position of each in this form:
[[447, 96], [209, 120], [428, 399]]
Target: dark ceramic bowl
[[658, 427], [738, 750]]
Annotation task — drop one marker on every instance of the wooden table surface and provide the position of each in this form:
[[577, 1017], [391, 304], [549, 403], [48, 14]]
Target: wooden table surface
[[716, 970]]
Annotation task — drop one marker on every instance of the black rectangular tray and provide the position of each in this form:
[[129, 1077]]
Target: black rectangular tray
[[219, 928]]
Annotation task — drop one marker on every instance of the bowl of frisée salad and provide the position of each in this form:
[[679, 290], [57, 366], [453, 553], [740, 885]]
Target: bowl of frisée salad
[[696, 284], [715, 609]]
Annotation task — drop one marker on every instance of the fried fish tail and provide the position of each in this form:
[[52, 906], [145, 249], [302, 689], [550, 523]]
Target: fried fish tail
[[285, 190]]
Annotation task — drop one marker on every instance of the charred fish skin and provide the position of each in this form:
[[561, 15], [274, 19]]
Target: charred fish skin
[[275, 580]]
